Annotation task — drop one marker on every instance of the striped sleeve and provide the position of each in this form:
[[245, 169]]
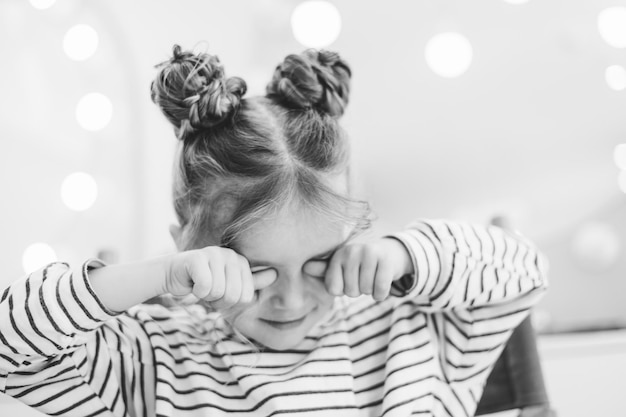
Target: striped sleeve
[[479, 283], [49, 313], [63, 352]]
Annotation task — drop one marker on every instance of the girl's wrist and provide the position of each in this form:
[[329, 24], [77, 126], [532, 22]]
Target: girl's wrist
[[121, 286], [404, 259]]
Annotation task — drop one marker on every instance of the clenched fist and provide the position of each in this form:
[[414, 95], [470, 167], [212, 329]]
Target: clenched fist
[[364, 268], [218, 275]]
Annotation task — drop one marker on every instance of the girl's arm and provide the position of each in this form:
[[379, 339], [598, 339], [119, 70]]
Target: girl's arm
[[55, 347], [66, 350], [460, 265], [475, 283], [47, 314], [479, 283]]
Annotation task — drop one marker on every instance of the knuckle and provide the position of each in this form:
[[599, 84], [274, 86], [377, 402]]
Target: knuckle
[[218, 291], [202, 284], [243, 260], [354, 252], [352, 290], [209, 251], [380, 287], [342, 254], [369, 251], [200, 292], [230, 254], [193, 259]]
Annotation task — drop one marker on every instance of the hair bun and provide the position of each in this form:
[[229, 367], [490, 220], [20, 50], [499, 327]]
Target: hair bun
[[313, 79], [194, 93]]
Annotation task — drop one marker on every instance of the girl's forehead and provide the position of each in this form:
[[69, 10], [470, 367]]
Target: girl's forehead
[[291, 235]]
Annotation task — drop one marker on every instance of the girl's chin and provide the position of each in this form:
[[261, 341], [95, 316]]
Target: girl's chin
[[277, 335], [282, 344]]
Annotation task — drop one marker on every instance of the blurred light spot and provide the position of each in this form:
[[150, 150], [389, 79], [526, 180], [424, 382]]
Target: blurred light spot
[[596, 245], [448, 54], [619, 156], [36, 256], [516, 1], [316, 23], [612, 26], [80, 42], [94, 111], [42, 4], [621, 181], [79, 191], [615, 76]]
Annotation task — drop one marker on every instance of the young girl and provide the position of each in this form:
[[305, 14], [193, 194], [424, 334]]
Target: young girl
[[293, 315]]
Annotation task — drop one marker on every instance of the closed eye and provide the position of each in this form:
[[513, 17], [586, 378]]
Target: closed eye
[[264, 271], [316, 268], [263, 275]]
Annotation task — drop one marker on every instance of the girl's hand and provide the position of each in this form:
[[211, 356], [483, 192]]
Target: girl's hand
[[367, 268], [218, 275]]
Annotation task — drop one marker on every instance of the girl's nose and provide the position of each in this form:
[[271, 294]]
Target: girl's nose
[[289, 293]]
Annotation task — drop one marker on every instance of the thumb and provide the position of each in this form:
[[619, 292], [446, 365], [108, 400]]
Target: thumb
[[264, 278]]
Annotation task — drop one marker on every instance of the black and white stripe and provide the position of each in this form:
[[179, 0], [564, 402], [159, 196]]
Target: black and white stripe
[[426, 353]]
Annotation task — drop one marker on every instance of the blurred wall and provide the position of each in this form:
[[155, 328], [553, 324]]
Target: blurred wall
[[527, 132]]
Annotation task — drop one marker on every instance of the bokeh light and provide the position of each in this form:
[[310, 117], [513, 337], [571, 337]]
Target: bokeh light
[[42, 4], [596, 245], [79, 191], [612, 26], [36, 256], [621, 181], [94, 111], [619, 156], [448, 54], [615, 76], [316, 23], [80, 42]]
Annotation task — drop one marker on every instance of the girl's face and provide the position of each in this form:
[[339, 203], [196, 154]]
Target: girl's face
[[294, 247]]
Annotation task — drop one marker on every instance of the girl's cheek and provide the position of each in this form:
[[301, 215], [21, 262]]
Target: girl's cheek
[[241, 309]]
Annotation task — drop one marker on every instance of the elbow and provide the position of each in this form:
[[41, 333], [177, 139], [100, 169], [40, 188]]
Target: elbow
[[542, 267]]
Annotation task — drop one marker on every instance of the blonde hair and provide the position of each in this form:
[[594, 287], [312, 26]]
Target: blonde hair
[[241, 159]]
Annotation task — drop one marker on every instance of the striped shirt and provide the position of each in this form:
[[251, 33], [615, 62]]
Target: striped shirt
[[426, 352]]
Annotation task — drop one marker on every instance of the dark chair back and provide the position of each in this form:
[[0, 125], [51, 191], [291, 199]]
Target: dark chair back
[[516, 381]]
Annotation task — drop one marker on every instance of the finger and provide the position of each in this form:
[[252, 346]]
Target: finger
[[383, 280], [367, 272], [351, 270], [247, 284], [334, 276], [234, 284], [263, 278], [218, 287], [201, 277]]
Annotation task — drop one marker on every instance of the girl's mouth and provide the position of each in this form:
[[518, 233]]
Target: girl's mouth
[[285, 325], [289, 323]]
